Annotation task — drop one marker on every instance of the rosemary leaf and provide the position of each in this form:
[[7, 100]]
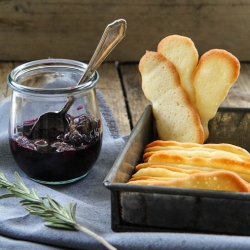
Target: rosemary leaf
[[24, 196], [53, 219], [72, 210], [34, 193], [39, 212], [7, 196], [63, 218], [21, 184], [37, 205], [53, 204], [60, 226]]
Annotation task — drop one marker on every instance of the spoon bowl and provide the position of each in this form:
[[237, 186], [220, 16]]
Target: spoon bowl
[[55, 122]]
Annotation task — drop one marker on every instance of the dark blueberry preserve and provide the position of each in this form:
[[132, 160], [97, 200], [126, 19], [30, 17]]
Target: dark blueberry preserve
[[58, 156]]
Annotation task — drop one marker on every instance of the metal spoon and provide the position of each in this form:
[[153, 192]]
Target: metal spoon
[[57, 120]]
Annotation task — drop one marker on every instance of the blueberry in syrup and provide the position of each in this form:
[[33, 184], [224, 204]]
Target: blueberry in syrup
[[58, 156]]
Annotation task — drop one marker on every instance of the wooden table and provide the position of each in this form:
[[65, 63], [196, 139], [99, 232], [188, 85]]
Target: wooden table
[[120, 84]]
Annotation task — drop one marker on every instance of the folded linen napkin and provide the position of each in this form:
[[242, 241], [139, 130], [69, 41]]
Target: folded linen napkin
[[19, 230]]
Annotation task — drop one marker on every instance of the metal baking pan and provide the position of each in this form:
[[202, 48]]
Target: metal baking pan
[[146, 208]]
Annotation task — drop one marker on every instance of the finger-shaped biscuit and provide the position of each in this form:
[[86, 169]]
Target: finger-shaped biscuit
[[175, 168], [217, 180], [200, 152], [159, 172], [156, 178], [217, 70], [160, 145], [175, 117], [181, 51], [190, 169], [237, 166]]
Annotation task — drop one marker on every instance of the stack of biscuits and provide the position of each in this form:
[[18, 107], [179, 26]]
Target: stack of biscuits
[[222, 166], [185, 92]]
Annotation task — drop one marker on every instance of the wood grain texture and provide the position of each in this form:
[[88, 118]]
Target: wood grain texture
[[136, 101], [111, 88], [239, 94], [72, 28], [5, 91]]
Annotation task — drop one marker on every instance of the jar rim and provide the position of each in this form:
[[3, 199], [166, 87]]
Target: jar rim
[[50, 63]]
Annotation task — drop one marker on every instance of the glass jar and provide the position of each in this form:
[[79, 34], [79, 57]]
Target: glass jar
[[61, 147]]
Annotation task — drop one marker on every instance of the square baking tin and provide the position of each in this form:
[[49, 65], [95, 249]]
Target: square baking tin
[[150, 208]]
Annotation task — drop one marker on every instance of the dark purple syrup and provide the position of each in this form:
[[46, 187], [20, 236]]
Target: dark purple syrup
[[58, 156]]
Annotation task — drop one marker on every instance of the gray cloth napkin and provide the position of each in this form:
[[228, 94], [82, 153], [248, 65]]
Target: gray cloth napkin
[[19, 230]]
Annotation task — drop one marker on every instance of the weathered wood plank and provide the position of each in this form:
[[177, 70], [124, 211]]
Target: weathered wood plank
[[5, 91], [239, 94], [72, 28], [136, 100], [111, 88]]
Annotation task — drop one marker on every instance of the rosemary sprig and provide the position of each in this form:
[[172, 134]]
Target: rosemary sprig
[[54, 214]]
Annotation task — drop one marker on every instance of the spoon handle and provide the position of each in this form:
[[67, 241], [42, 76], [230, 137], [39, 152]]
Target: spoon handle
[[112, 35]]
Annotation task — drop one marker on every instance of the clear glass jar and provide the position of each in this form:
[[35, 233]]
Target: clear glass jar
[[50, 153]]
